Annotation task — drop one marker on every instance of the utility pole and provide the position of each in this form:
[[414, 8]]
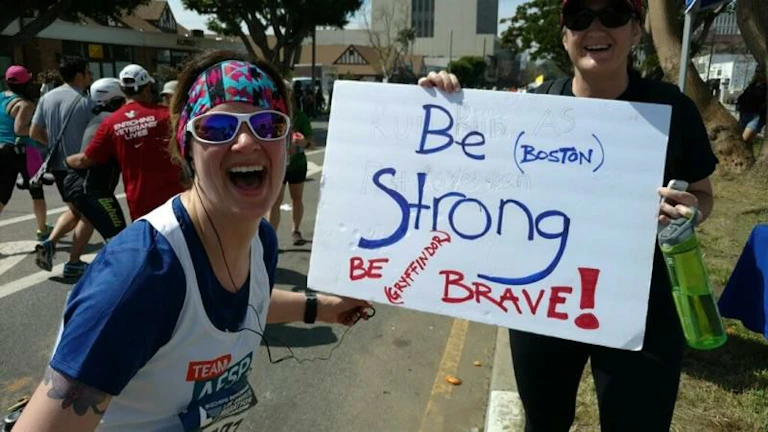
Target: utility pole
[[314, 34]]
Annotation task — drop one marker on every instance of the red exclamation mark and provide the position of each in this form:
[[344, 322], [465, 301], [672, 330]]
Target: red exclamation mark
[[588, 321]]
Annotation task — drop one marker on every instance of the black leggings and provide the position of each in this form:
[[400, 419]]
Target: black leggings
[[636, 390], [11, 164]]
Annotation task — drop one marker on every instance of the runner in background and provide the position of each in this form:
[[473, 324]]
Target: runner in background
[[136, 135], [64, 113], [295, 173], [93, 190], [169, 89], [16, 109]]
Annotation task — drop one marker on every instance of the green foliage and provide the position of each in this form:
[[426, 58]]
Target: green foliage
[[470, 71], [536, 28], [291, 20], [45, 13]]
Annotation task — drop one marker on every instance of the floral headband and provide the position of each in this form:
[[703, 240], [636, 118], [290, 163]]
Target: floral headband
[[228, 81]]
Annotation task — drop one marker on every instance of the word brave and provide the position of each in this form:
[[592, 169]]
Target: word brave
[[395, 293], [455, 290]]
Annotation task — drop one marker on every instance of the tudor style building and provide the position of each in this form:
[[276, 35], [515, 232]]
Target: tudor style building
[[150, 36]]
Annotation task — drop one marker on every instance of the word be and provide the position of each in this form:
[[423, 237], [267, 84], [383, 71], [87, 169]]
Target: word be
[[358, 269], [471, 139], [395, 293], [534, 225], [455, 290]]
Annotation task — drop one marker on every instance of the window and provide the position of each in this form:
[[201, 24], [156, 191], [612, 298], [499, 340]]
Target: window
[[423, 17], [163, 56]]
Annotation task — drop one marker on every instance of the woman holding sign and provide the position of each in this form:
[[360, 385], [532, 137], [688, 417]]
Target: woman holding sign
[[161, 333], [636, 391]]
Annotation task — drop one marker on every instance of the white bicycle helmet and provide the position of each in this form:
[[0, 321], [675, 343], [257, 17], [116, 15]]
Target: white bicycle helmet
[[104, 90]]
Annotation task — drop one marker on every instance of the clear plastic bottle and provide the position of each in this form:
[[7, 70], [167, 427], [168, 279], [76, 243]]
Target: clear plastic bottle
[[691, 287]]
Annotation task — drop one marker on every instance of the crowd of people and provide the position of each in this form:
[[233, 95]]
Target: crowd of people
[[204, 175]]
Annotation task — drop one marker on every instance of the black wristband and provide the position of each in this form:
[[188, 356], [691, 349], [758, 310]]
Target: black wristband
[[310, 310]]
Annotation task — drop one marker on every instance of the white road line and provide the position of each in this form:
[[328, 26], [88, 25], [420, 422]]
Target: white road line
[[311, 152], [36, 278], [57, 210], [14, 252]]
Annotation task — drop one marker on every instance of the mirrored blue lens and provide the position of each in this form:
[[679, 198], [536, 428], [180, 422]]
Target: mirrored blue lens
[[216, 127], [269, 125]]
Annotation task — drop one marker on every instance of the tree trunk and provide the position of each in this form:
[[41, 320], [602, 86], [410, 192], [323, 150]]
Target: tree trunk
[[40, 23], [724, 131], [753, 22]]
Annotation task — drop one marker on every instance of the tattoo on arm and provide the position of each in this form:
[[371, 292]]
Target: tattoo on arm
[[74, 394]]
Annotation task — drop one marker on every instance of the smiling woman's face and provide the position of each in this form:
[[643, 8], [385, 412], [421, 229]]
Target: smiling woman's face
[[243, 176], [599, 49]]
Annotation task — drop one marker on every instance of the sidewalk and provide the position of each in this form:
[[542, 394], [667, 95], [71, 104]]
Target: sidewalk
[[505, 411]]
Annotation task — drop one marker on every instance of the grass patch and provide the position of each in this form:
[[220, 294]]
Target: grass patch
[[725, 390]]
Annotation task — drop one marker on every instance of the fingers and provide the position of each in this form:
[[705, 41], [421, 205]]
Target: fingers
[[454, 82], [443, 80], [679, 197]]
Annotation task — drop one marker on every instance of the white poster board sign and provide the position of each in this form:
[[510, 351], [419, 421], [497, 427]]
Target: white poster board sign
[[532, 212]]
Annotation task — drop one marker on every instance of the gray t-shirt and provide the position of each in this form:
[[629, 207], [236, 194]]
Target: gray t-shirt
[[52, 110], [93, 126]]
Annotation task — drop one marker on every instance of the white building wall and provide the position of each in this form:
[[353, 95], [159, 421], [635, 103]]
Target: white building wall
[[454, 31]]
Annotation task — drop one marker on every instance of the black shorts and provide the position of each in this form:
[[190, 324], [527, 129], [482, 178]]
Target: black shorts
[[11, 164], [296, 171], [60, 176], [102, 210]]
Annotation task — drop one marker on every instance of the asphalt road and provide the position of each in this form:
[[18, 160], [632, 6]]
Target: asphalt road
[[387, 375]]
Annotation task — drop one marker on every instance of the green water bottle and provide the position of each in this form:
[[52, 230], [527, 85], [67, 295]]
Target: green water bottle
[[691, 288]]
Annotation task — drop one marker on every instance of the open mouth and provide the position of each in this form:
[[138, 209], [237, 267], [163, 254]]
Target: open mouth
[[597, 48], [248, 177]]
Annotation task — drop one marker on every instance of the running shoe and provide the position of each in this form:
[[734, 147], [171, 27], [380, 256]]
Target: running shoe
[[45, 253], [298, 240], [75, 269], [43, 235]]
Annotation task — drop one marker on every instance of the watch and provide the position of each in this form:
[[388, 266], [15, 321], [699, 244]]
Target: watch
[[310, 310]]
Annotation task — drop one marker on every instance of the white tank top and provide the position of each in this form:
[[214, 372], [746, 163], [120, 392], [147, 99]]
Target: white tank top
[[199, 379]]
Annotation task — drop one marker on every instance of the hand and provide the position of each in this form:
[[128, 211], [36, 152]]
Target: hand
[[445, 81], [677, 204], [341, 310]]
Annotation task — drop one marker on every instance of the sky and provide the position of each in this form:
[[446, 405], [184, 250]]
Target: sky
[[192, 20]]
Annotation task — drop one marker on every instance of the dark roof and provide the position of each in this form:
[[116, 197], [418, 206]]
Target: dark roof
[[151, 11]]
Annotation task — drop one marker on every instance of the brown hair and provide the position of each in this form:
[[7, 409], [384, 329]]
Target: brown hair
[[192, 69]]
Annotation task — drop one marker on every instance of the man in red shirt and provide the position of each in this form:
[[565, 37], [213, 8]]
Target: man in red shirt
[[137, 136]]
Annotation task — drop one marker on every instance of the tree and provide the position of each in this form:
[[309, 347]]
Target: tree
[[752, 17], [724, 131], [470, 70], [391, 35], [292, 21], [536, 28], [45, 12]]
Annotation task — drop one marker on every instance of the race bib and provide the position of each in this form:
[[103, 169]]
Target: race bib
[[222, 402]]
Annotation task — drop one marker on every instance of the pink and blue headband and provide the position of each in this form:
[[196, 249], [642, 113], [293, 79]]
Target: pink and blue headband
[[228, 81]]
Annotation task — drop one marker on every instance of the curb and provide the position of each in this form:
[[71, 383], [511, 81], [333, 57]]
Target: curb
[[505, 410]]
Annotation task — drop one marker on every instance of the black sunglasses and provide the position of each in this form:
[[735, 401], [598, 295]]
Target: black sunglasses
[[610, 17]]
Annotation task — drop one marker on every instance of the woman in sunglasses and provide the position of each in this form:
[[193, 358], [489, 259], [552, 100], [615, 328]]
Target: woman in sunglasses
[[162, 331], [636, 391]]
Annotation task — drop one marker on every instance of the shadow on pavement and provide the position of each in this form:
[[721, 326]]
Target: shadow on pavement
[[735, 367], [280, 335], [295, 280]]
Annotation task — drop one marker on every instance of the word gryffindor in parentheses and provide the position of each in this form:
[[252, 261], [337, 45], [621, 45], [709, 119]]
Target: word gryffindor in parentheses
[[394, 293]]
